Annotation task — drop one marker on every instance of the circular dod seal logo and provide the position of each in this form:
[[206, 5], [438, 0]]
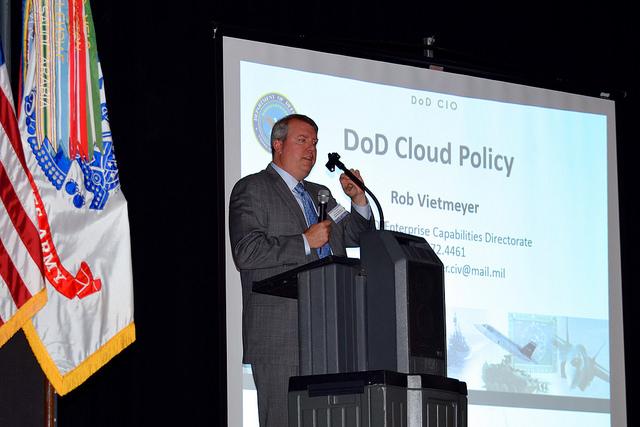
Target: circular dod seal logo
[[268, 110]]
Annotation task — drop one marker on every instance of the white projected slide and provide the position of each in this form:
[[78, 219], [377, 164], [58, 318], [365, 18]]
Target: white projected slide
[[515, 189]]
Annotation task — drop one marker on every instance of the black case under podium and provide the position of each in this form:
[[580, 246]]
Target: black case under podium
[[376, 399]]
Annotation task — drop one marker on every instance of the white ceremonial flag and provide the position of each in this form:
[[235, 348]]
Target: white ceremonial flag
[[82, 214]]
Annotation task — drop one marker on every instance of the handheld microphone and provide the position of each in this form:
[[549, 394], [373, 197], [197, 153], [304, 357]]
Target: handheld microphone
[[323, 199]]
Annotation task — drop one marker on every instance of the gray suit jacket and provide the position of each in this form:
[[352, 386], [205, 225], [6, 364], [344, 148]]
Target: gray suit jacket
[[265, 226]]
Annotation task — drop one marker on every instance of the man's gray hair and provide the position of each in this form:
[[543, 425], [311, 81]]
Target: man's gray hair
[[281, 128]]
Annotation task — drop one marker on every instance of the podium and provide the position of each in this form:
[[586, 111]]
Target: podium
[[372, 338], [382, 312], [331, 314], [405, 299]]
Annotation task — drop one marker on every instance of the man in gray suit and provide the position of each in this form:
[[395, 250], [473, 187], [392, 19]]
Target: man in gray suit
[[273, 228]]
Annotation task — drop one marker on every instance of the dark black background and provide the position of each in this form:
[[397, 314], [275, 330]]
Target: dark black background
[[158, 64]]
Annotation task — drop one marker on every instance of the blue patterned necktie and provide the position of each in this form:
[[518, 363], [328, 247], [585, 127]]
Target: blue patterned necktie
[[311, 215]]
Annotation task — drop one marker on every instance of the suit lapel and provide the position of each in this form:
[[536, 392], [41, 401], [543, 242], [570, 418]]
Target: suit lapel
[[287, 197]]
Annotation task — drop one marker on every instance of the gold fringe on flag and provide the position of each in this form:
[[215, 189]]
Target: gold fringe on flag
[[25, 313], [65, 383]]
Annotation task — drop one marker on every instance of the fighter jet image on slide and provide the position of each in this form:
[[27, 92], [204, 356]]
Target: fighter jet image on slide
[[576, 365], [525, 353]]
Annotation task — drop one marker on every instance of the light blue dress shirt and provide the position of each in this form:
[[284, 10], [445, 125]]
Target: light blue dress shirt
[[291, 182]]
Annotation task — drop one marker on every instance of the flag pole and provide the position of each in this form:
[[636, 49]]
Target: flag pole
[[50, 405]]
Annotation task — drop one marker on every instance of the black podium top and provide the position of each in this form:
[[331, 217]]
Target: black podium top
[[351, 382], [286, 284]]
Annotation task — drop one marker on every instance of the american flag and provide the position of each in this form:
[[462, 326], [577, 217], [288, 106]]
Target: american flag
[[22, 291]]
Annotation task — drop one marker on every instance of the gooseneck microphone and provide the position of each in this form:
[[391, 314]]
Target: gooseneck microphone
[[323, 199], [334, 160]]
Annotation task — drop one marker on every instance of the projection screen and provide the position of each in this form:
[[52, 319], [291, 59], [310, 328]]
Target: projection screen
[[515, 187]]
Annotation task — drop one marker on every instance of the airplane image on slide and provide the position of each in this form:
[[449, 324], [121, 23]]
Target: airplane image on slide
[[526, 353], [576, 365]]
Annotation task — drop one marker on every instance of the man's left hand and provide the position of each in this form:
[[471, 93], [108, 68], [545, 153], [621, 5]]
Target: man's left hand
[[352, 190]]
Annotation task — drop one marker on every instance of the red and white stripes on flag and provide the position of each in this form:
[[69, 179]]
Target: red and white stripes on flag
[[22, 291]]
